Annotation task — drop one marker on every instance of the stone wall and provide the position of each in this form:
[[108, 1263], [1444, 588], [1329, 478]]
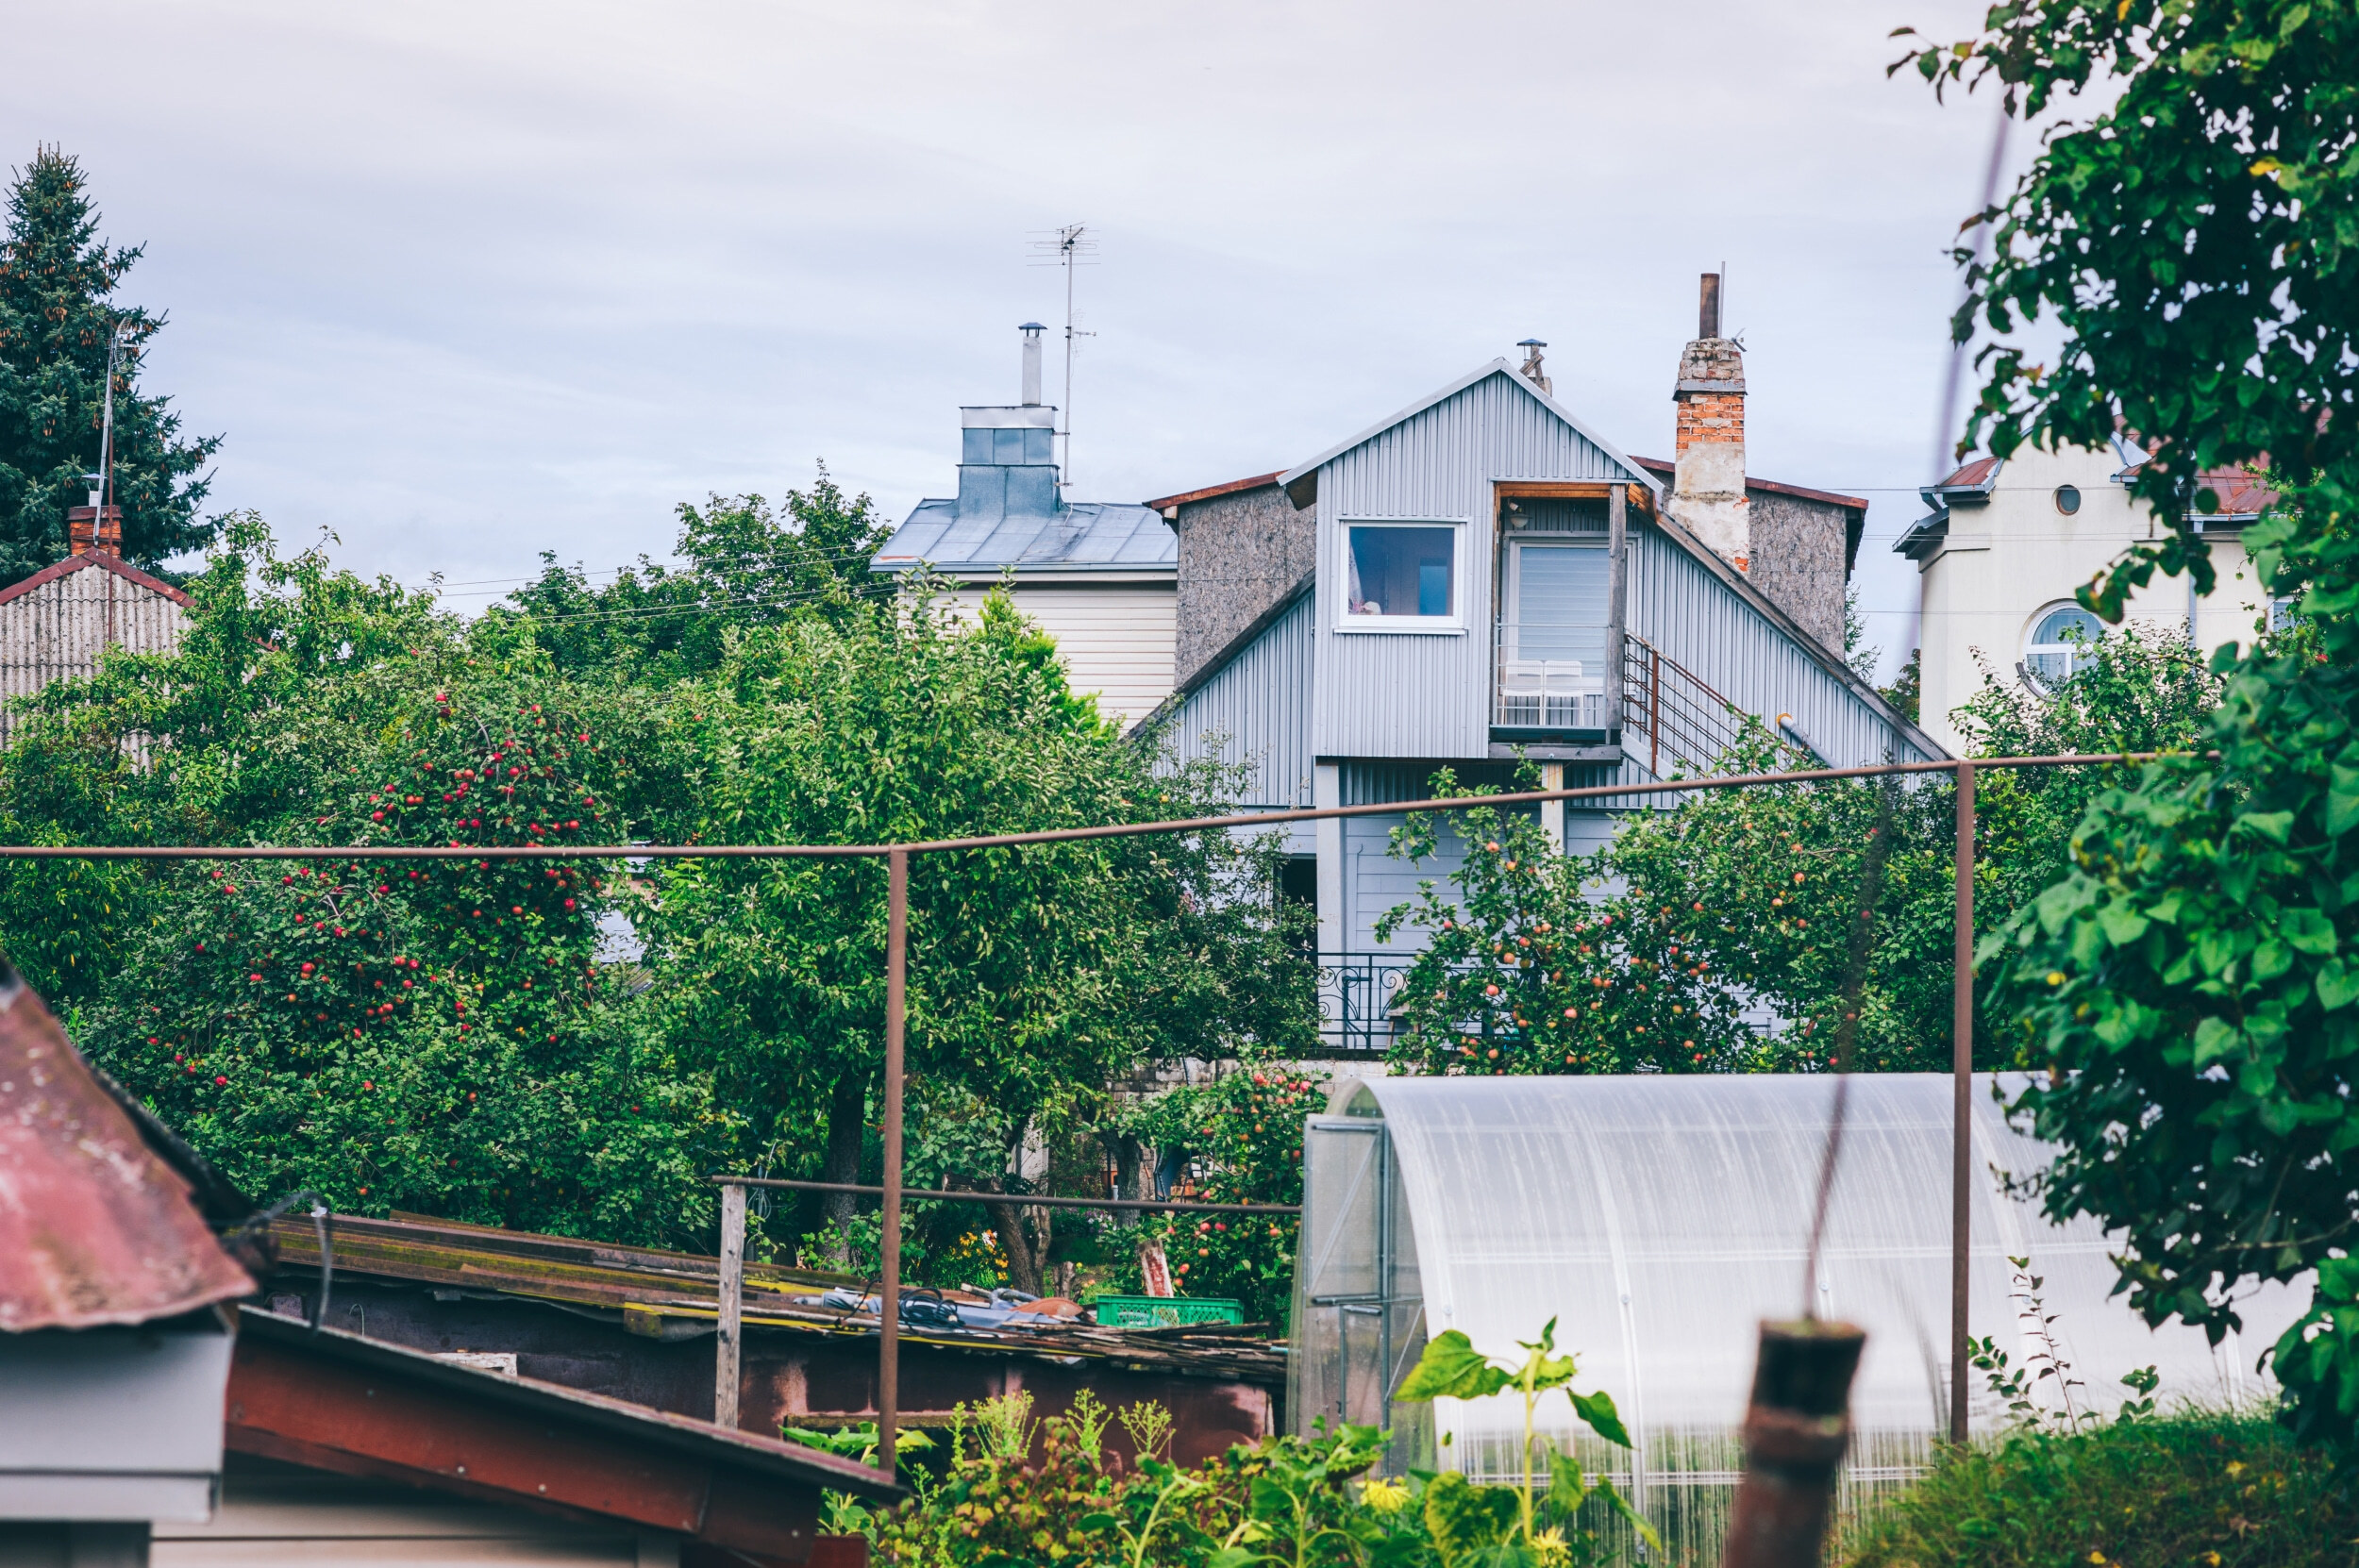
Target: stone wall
[[1239, 555], [1798, 559]]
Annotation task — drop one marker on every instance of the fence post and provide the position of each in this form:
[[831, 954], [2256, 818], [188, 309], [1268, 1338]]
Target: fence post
[[1962, 1129], [889, 1295], [725, 1343]]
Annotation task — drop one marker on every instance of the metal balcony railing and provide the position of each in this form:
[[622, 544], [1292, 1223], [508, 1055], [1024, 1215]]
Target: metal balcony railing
[[1356, 994]]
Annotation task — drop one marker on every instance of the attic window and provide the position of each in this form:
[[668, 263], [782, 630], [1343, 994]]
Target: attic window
[[1401, 572]]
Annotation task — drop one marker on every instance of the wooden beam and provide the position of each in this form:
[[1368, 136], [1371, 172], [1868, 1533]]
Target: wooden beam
[[729, 1341]]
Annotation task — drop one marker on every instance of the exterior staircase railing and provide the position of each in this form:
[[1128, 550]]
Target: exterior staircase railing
[[1670, 712]]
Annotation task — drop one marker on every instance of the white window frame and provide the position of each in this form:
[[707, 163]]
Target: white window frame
[[1453, 624], [2032, 650]]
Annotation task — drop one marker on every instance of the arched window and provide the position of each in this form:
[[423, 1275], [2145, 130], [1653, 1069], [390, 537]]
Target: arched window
[[2063, 644]]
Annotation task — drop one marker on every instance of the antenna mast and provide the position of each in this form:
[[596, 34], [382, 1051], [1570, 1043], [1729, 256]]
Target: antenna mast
[[1067, 247]]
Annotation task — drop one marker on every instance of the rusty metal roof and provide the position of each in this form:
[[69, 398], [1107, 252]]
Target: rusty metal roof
[[353, 1406], [648, 1288], [95, 1228]]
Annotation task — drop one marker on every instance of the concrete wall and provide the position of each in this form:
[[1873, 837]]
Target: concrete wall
[[1239, 555], [2010, 560], [1797, 561]]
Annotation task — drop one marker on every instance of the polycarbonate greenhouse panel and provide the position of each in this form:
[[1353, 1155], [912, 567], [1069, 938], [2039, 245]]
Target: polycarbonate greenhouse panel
[[1660, 1219]]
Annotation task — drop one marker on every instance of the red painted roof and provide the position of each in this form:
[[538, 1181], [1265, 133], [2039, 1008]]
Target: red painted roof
[[120, 567], [2241, 492], [1666, 468], [95, 1228], [1973, 473], [1210, 491]]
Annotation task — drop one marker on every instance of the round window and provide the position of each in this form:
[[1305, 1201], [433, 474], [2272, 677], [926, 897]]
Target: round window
[[2063, 644], [2067, 499]]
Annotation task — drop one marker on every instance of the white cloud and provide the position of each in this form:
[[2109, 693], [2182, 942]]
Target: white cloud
[[466, 282]]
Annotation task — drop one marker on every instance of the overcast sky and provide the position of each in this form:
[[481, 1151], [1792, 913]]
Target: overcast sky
[[464, 283]]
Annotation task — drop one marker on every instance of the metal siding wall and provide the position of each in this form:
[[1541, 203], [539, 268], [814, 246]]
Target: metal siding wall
[[1682, 610], [1423, 695], [57, 630], [1257, 712]]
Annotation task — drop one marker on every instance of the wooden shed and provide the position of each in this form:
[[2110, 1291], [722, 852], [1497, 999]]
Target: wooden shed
[[56, 623]]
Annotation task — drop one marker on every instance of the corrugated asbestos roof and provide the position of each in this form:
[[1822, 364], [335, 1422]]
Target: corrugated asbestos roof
[[95, 1228], [649, 1290], [1083, 535], [123, 569]]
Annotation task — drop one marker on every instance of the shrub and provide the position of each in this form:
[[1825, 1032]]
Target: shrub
[[2218, 1491]]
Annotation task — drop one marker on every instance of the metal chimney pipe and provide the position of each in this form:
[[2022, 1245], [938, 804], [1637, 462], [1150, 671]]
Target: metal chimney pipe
[[1031, 330], [1708, 306]]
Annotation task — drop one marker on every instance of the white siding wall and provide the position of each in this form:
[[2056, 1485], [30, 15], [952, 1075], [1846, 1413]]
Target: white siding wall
[[58, 630], [1116, 640]]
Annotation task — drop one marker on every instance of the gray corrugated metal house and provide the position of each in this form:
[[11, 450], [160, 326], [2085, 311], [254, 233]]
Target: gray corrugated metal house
[[1097, 575], [1482, 576], [57, 622]]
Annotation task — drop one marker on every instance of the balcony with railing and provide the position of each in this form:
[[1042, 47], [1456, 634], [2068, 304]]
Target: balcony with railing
[[1356, 995], [1550, 684]]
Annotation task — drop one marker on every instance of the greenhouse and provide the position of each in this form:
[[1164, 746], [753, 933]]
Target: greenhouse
[[1658, 1219]]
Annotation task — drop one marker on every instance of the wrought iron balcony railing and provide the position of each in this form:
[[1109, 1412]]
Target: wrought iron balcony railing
[[1356, 995]]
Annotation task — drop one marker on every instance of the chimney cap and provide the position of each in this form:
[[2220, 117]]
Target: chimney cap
[[1530, 343], [1031, 326]]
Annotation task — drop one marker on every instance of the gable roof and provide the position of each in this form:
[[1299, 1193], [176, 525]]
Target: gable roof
[[1094, 536], [1496, 367], [99, 559]]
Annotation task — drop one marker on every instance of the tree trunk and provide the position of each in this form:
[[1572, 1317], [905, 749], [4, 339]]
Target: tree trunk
[[847, 1130]]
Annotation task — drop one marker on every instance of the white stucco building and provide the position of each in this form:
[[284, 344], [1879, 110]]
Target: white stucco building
[[2008, 541]]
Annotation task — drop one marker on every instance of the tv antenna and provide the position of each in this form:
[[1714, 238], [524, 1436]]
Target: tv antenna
[[1068, 247]]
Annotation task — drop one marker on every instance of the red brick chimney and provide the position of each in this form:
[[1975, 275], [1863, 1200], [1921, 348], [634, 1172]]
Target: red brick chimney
[[1707, 492], [86, 530]]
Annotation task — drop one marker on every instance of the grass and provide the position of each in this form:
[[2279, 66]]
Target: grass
[[2197, 1490]]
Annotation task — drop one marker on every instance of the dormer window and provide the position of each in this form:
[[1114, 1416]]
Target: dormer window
[[1400, 577]]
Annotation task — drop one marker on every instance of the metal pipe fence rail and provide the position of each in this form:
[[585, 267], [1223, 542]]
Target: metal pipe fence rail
[[896, 857]]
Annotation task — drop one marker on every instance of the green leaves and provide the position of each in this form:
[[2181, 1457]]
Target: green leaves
[[1453, 1368], [1597, 1410]]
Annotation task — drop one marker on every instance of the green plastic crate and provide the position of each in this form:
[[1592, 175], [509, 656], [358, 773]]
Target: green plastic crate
[[1166, 1311]]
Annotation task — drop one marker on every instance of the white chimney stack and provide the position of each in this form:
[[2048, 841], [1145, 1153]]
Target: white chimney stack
[[1707, 492], [1031, 330]]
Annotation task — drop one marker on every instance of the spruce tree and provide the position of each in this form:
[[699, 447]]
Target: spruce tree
[[56, 310]]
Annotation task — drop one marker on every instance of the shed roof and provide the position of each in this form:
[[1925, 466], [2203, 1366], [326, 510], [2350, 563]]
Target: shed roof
[[103, 562], [1496, 367], [1211, 492], [353, 1406], [94, 1228], [1081, 536], [644, 1287]]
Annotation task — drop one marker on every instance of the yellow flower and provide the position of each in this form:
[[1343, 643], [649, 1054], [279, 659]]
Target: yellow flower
[[1384, 1496], [1550, 1549], [2235, 1467]]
